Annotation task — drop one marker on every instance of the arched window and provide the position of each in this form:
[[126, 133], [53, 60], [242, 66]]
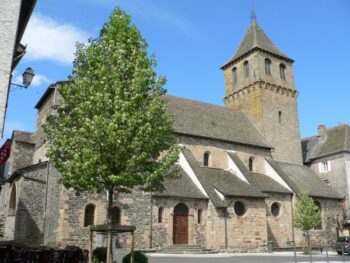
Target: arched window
[[116, 216], [234, 75], [251, 163], [160, 214], [246, 68], [239, 208], [319, 207], [89, 217], [283, 71], [268, 66], [199, 218], [279, 116], [12, 205], [206, 156]]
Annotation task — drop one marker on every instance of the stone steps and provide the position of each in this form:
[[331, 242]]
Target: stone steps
[[186, 249]]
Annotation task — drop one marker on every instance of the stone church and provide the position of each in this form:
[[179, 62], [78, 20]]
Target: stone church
[[241, 168]]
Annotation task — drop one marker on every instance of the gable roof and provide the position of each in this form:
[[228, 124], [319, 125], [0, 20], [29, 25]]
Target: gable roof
[[261, 181], [337, 140], [182, 187], [302, 178], [215, 122], [255, 38], [223, 181]]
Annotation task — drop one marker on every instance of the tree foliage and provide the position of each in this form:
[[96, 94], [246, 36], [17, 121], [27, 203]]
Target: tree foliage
[[307, 214], [112, 126]]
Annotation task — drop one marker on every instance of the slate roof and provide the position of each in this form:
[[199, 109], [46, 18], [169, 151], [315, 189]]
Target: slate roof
[[338, 140], [182, 187], [214, 122], [255, 38], [223, 181], [261, 181], [302, 178]]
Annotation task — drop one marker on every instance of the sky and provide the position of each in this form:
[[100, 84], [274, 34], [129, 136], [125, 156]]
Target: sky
[[192, 39]]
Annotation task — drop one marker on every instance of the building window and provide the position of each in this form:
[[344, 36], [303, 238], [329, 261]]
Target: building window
[[246, 68], [89, 217], [319, 207], [239, 208], [275, 209], [279, 116], [325, 167], [160, 214], [206, 159], [116, 216], [268, 66], [199, 218], [12, 205], [234, 75], [251, 163], [283, 71]]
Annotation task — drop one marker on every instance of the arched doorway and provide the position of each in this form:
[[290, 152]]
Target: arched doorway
[[180, 234]]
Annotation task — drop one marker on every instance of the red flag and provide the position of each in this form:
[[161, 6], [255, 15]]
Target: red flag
[[5, 151]]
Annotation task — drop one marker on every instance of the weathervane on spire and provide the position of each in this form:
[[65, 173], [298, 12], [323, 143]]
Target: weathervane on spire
[[253, 15]]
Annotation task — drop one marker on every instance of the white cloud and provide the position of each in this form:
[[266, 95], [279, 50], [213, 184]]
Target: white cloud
[[48, 39], [37, 80]]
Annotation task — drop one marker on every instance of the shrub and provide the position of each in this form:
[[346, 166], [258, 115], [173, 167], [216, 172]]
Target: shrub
[[100, 253], [138, 256]]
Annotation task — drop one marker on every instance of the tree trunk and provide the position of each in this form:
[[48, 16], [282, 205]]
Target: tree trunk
[[309, 244], [109, 223]]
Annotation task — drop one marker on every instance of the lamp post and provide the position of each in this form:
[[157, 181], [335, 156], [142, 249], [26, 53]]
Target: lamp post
[[27, 76]]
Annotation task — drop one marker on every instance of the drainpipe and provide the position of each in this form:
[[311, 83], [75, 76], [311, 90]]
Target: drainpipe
[[225, 215], [151, 224], [46, 193]]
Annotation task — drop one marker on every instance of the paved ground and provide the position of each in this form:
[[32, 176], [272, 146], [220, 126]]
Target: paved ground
[[277, 257]]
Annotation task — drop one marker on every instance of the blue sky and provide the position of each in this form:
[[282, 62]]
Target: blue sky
[[191, 40]]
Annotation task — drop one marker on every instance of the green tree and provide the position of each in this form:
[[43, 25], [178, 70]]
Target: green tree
[[307, 216], [112, 127]]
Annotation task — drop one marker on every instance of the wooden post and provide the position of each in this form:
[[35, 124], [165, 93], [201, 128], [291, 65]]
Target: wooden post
[[109, 244], [90, 246], [132, 247]]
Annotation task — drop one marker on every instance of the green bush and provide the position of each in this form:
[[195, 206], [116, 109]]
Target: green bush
[[138, 256], [100, 254]]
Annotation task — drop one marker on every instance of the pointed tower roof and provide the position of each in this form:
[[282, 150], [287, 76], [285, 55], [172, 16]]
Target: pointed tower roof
[[255, 38]]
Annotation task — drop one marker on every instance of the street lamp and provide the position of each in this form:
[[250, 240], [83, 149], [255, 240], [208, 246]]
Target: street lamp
[[27, 76]]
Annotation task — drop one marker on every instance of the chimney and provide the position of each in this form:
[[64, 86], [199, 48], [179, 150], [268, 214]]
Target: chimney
[[322, 132]]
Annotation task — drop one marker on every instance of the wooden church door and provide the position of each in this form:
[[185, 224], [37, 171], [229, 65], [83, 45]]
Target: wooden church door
[[180, 224]]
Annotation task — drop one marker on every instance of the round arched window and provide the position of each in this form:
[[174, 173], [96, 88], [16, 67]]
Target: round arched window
[[239, 208], [275, 209]]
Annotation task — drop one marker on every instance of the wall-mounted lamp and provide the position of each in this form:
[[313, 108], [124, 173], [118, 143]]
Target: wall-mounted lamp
[[27, 76]]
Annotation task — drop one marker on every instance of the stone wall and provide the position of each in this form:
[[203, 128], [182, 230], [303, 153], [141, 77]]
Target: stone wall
[[31, 205], [246, 233], [162, 233], [279, 228], [53, 207], [199, 145], [9, 14], [22, 147]]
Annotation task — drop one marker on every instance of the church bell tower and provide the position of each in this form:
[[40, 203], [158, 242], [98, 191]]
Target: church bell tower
[[259, 81]]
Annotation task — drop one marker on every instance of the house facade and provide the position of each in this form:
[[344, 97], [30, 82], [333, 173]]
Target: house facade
[[241, 168]]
